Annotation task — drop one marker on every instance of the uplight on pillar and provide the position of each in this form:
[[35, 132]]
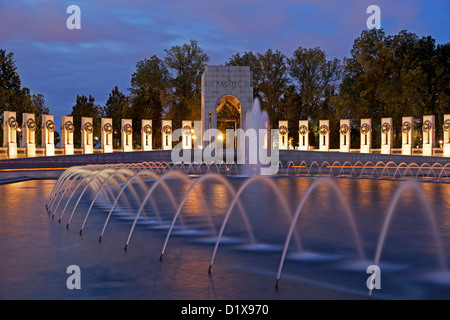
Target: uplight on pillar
[[303, 135], [10, 126], [107, 135], [283, 140], [166, 135], [366, 135], [407, 135], [387, 137], [446, 141], [428, 131], [146, 135], [29, 134], [186, 134], [67, 130], [324, 135], [48, 134], [127, 135], [87, 135], [344, 133]]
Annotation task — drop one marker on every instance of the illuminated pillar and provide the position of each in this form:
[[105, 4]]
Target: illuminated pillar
[[29, 134], [387, 137], [127, 135], [407, 135], [428, 131], [146, 135], [324, 135], [166, 135], [87, 135], [283, 140], [366, 136], [107, 135], [303, 135], [344, 132], [10, 127], [186, 134], [48, 134], [67, 130], [446, 136]]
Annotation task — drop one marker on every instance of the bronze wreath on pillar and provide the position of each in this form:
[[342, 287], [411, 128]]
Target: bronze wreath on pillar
[[13, 123], [127, 129], [303, 130], [427, 126], [283, 130], [69, 127], [31, 125], [147, 129], [406, 127], [385, 128], [323, 130], [108, 128], [344, 129], [88, 127], [50, 126], [167, 129], [446, 125], [365, 129], [187, 129]]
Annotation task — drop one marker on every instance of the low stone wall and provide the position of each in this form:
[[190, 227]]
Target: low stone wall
[[285, 156], [309, 156]]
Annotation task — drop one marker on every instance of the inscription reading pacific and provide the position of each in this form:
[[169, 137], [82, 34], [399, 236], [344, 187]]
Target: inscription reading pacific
[[230, 84]]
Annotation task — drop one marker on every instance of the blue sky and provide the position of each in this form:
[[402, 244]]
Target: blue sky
[[114, 35]]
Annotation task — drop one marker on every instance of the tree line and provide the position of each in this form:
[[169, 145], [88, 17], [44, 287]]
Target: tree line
[[384, 76]]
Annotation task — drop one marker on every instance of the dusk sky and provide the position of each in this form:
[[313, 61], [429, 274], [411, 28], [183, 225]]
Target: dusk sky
[[114, 35]]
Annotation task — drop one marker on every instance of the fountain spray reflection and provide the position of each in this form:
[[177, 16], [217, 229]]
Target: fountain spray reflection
[[113, 185]]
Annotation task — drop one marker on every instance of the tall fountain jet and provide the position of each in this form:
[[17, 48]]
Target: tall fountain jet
[[253, 150]]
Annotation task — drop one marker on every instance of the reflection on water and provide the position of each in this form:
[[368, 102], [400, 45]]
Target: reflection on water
[[37, 250]]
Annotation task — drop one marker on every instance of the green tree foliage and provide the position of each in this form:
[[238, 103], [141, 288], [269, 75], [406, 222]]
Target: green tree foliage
[[147, 104], [14, 97], [117, 107], [9, 80], [149, 93], [270, 79], [316, 80], [394, 76], [186, 64]]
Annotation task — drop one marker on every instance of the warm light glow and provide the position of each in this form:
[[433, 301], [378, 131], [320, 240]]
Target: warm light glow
[[220, 137], [194, 137]]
